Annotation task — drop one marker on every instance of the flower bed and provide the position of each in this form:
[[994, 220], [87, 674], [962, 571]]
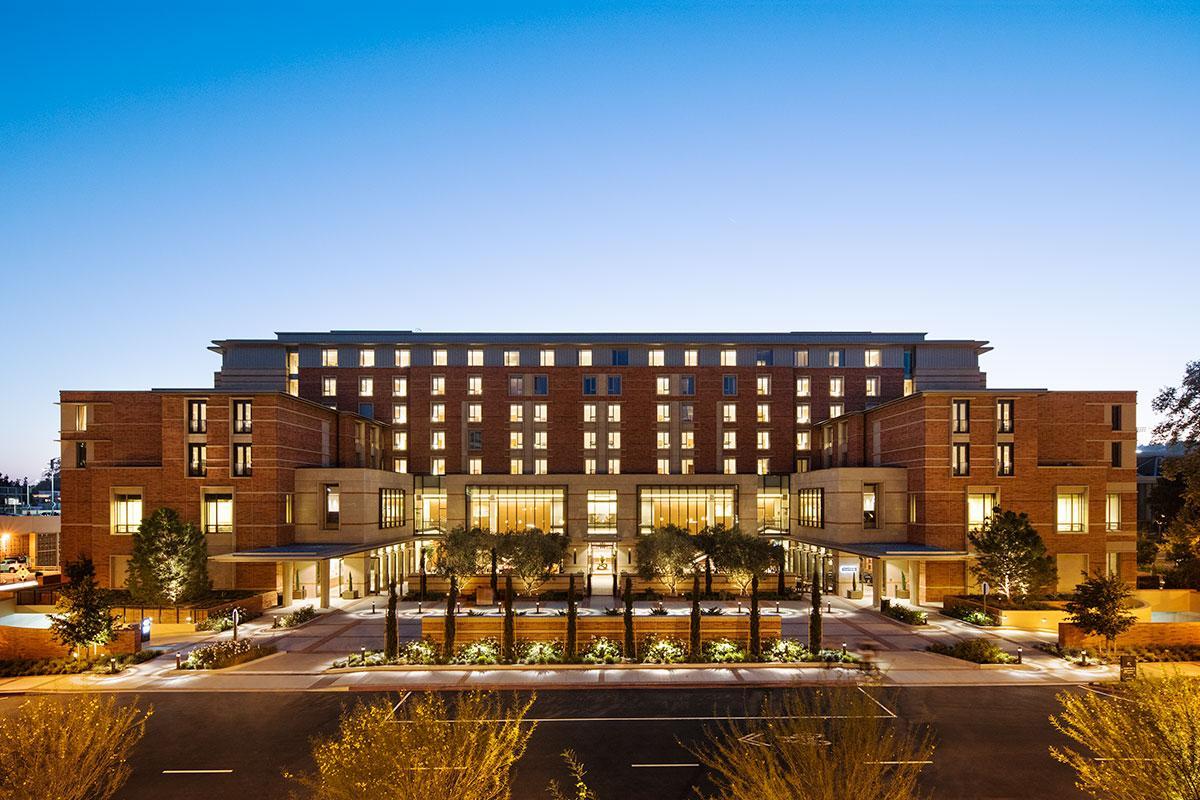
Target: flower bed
[[978, 651], [298, 617], [219, 655], [972, 615], [223, 620], [1144, 655], [905, 614], [482, 652], [793, 651], [723, 651], [539, 652], [601, 650], [663, 650]]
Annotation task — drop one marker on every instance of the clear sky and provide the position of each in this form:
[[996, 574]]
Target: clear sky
[[1025, 173]]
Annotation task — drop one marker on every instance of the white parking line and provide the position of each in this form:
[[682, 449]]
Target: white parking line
[[656, 766], [197, 771], [875, 700]]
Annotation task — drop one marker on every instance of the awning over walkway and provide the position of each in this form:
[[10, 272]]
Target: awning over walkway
[[892, 550], [299, 552]]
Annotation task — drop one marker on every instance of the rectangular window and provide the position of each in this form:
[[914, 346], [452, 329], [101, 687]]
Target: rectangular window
[[474, 412], [243, 420], [333, 506], [803, 386], [614, 440], [366, 387], [729, 385], [960, 416], [585, 358], [687, 466], [762, 385], [870, 505], [589, 466], [763, 466], [546, 358], [691, 358], [614, 385], [960, 459], [602, 511], [437, 466], [437, 385], [620, 358], [803, 414], [837, 386], [764, 358], [541, 385], [329, 357], [197, 460], [127, 513], [1004, 416], [516, 412], [614, 412], [391, 508], [662, 385], [763, 440], [197, 416], [399, 440], [243, 464], [1116, 418], [803, 440], [437, 412], [802, 464], [540, 466], [729, 358], [980, 508], [872, 386], [687, 385], [589, 440], [810, 508], [218, 513], [437, 440], [403, 357], [516, 440], [614, 466], [800, 358], [662, 412], [663, 440], [475, 384], [400, 464], [1004, 458], [1115, 453], [512, 358], [1072, 510], [1112, 512], [399, 387], [293, 362], [366, 357], [912, 509], [439, 358], [293, 387], [474, 440], [516, 385], [692, 508], [656, 358], [835, 358], [589, 412], [763, 412], [729, 412], [289, 504], [399, 414], [873, 358], [686, 412], [729, 466], [475, 466], [836, 410], [1112, 564], [474, 358], [540, 440], [729, 440], [663, 466], [589, 384], [687, 440], [539, 412]]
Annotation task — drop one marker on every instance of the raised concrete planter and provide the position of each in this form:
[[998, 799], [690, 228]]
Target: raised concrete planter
[[860, 666]]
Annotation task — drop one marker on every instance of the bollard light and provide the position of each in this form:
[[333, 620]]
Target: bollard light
[[843, 648], [419, 605], [372, 606], [458, 607], [112, 665], [776, 606], [362, 654], [829, 607], [1018, 655], [1083, 658], [178, 661]]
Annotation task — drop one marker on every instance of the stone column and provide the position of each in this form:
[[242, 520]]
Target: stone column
[[323, 582], [289, 579], [879, 576], [916, 591]]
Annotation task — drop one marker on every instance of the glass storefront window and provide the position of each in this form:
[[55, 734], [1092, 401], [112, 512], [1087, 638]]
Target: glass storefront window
[[690, 507], [772, 511], [602, 512], [431, 511], [516, 508]]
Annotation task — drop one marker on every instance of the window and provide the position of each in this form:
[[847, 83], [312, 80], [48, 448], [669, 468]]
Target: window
[[437, 466], [872, 386], [762, 385], [400, 464], [293, 362], [589, 440], [437, 385], [687, 466], [912, 509], [516, 440], [729, 466], [475, 440], [662, 412], [539, 412], [802, 464], [1112, 564], [614, 440], [803, 386], [242, 461], [729, 385], [614, 384], [541, 385], [729, 412], [803, 414], [602, 512], [197, 416], [614, 412], [366, 387], [803, 440], [474, 412], [1072, 511], [1115, 453], [1116, 418], [546, 358], [399, 387], [540, 466], [960, 416], [764, 358], [437, 440], [870, 505], [439, 358], [1004, 416], [127, 512], [437, 412], [391, 508], [663, 466], [614, 466], [475, 384], [512, 358], [516, 385], [729, 440], [763, 412], [980, 507], [663, 440], [686, 412], [873, 358], [729, 358], [399, 414], [516, 412], [539, 440], [474, 358], [399, 440], [960, 459], [810, 508], [836, 410], [691, 358], [1004, 458], [475, 466], [589, 466], [656, 358], [763, 466], [589, 384], [589, 412], [837, 386], [242, 416], [366, 357], [663, 384], [620, 358], [687, 385], [293, 387], [1112, 512], [763, 440], [585, 358], [329, 357], [835, 358], [289, 502], [403, 357], [218, 513], [687, 440], [692, 508], [197, 460], [800, 358]]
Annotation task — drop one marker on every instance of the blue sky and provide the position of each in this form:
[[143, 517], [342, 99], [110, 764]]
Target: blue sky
[[1024, 173]]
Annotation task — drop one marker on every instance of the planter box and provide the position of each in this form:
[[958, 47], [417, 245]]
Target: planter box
[[855, 595], [732, 626]]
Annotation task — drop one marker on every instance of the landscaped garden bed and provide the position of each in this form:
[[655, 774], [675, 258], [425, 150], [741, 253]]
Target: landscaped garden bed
[[295, 618], [972, 615], [1147, 655], [906, 614], [977, 651], [17, 668], [219, 655]]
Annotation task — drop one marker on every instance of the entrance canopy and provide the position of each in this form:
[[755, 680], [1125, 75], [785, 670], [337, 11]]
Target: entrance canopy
[[891, 550], [298, 552]]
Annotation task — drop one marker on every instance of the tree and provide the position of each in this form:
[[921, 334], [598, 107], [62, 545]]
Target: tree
[[390, 644], [814, 618], [76, 750], [1179, 511], [1010, 554], [829, 744], [1099, 607], [461, 552], [509, 621], [169, 561], [667, 553], [450, 620], [83, 617], [531, 555], [745, 556], [694, 629], [1139, 744], [436, 751], [709, 542], [572, 620], [628, 617], [755, 642]]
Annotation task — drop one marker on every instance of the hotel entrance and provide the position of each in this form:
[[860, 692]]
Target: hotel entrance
[[602, 569]]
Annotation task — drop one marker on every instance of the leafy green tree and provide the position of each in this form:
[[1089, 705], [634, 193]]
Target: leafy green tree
[[463, 551], [83, 615], [1179, 510], [532, 555], [1010, 554], [169, 561], [709, 542], [667, 553], [1100, 607], [814, 619], [744, 557]]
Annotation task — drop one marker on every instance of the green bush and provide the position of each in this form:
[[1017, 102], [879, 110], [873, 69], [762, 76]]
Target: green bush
[[223, 619], [21, 667], [663, 650], [484, 651], [971, 614], [612, 612], [539, 652], [906, 614], [601, 650], [785, 651], [980, 651], [724, 651], [713, 611], [219, 655], [297, 617], [659, 611]]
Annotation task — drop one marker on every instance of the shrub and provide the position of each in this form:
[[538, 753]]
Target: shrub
[[663, 650], [906, 614], [539, 652], [612, 612], [659, 611], [601, 650], [972, 615], [713, 611], [17, 668], [297, 617], [980, 651], [223, 620], [724, 651], [419, 651], [484, 651], [785, 651], [219, 655]]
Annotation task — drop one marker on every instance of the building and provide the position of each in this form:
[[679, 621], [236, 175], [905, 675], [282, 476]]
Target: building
[[368, 446]]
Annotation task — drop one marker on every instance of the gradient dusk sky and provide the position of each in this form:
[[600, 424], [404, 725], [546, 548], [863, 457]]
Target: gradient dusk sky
[[1021, 172]]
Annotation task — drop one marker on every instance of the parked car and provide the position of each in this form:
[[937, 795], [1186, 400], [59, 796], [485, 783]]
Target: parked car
[[14, 564]]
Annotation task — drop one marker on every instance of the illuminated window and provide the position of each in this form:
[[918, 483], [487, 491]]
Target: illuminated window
[[329, 387], [803, 386], [474, 412], [293, 387], [663, 384], [400, 464], [873, 387], [1004, 416], [403, 357], [803, 414], [803, 440], [475, 384], [980, 508], [763, 466], [835, 358], [437, 412], [507, 509], [539, 440], [218, 513], [516, 385], [391, 508], [729, 412], [656, 358], [687, 466], [589, 440], [910, 386], [437, 440], [690, 507], [585, 358], [512, 358], [960, 459], [729, 358], [437, 466], [663, 440], [1004, 458], [873, 358], [763, 440], [691, 358], [729, 440], [546, 358], [729, 466], [810, 508], [399, 440], [602, 512], [763, 412], [366, 357], [589, 412], [431, 511], [1112, 564], [614, 440], [589, 466], [329, 357], [516, 466], [439, 358], [664, 466], [614, 466], [539, 412], [836, 410], [772, 507], [800, 358], [870, 505], [687, 440], [516, 412], [802, 464], [400, 387], [762, 384], [127, 512], [961, 416], [400, 414], [540, 466], [662, 412], [243, 416], [1112, 512], [437, 384], [366, 387], [474, 358], [1072, 510], [837, 387], [614, 412], [912, 509], [293, 362], [516, 440]]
